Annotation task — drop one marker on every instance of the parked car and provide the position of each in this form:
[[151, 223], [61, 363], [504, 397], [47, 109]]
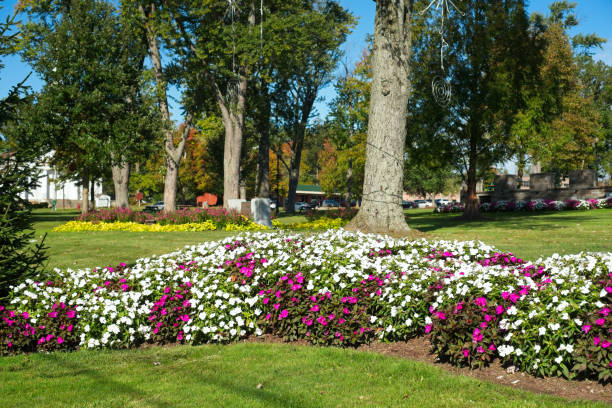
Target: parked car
[[329, 203], [407, 204], [314, 203], [301, 206], [442, 202], [420, 204], [158, 206]]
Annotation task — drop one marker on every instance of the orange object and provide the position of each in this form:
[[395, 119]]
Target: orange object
[[207, 198]]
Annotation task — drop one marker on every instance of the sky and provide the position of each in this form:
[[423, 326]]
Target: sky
[[595, 16]]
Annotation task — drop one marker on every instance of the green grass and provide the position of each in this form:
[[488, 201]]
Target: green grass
[[228, 376], [290, 376], [89, 249], [528, 235]]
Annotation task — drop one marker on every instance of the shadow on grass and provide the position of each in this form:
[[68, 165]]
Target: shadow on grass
[[518, 221], [74, 369], [54, 216], [238, 387]]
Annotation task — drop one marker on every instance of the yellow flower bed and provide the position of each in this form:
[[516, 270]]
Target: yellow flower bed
[[321, 223], [77, 226]]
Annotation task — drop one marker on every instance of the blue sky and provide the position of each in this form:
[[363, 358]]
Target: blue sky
[[595, 16]]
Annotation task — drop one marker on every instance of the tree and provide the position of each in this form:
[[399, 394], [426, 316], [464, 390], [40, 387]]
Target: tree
[[150, 15], [566, 109], [349, 124], [19, 258], [307, 71], [489, 65], [384, 167], [90, 110]]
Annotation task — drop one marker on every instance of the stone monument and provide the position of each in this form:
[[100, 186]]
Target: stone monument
[[260, 211]]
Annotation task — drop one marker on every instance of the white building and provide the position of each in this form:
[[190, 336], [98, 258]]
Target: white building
[[67, 194]]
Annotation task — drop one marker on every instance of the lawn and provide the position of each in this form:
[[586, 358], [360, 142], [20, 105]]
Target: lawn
[[529, 235], [246, 375], [275, 375]]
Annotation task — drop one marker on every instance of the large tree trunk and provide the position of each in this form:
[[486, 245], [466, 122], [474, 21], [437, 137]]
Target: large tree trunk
[[384, 169], [85, 192], [121, 180]]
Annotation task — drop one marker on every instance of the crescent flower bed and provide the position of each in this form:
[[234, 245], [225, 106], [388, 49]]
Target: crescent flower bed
[[476, 304]]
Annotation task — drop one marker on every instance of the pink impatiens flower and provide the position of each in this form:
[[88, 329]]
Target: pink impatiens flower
[[284, 313], [600, 322], [586, 328], [466, 353], [428, 328], [59, 340]]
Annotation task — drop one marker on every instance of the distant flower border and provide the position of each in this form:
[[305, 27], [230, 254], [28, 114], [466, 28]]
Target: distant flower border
[[532, 205]]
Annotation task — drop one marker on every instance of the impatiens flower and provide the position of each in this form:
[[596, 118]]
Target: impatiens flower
[[596, 341], [605, 311], [499, 309], [268, 316], [284, 313], [492, 347], [276, 306], [314, 308], [466, 353], [600, 322], [59, 340], [428, 328], [266, 300], [605, 344], [71, 314], [481, 301], [586, 328], [480, 349]]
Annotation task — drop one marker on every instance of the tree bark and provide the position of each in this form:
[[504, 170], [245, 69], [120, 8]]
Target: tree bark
[[349, 176], [384, 169], [85, 192], [232, 113], [121, 180], [472, 209], [263, 157], [294, 166], [173, 153]]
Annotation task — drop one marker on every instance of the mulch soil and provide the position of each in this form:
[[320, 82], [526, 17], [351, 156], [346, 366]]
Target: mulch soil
[[418, 349]]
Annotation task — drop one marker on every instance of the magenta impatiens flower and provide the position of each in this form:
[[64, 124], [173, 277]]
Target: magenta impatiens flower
[[428, 328], [284, 313], [466, 353], [59, 340], [71, 314], [586, 328], [600, 322]]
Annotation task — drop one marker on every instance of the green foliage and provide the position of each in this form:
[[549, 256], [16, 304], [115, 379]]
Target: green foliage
[[95, 109], [20, 256]]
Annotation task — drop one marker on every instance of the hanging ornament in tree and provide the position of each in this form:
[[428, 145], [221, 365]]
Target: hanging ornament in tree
[[440, 86]]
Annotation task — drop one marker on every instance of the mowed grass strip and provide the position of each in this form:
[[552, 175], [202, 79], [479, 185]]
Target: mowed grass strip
[[247, 375]]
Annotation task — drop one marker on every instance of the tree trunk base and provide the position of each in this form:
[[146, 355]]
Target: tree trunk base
[[397, 228]]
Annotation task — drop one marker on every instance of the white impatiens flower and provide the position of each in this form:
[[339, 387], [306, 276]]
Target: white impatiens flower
[[554, 326], [559, 359], [541, 331]]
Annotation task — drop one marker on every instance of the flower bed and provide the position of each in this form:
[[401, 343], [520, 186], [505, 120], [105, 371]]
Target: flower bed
[[219, 217], [334, 288], [532, 205], [245, 225]]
